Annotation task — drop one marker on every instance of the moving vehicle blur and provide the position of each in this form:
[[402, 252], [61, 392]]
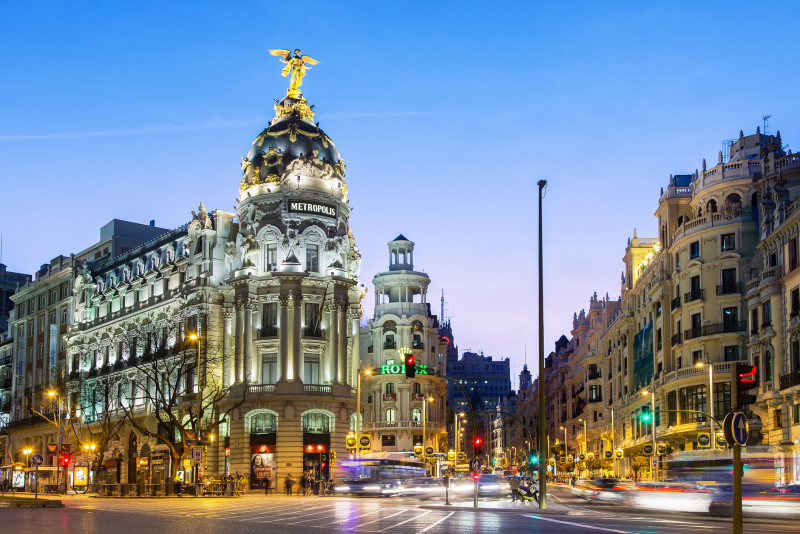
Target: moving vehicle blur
[[603, 489], [670, 496], [783, 501]]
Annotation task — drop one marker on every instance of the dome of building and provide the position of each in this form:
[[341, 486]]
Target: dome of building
[[290, 136]]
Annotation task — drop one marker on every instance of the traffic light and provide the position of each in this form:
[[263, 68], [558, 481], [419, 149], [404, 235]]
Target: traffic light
[[65, 460], [745, 380], [645, 417], [478, 448], [411, 365], [534, 459]]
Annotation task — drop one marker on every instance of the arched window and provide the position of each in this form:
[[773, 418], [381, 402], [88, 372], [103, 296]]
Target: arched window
[[711, 207], [318, 423], [735, 201], [390, 417], [390, 388], [416, 415], [699, 211], [263, 423]]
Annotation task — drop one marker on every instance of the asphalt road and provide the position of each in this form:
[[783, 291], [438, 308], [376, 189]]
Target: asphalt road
[[288, 515]]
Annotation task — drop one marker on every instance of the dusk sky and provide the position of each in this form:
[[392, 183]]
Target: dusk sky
[[446, 113]]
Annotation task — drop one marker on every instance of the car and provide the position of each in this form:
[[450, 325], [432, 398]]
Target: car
[[492, 486], [604, 489], [778, 501], [423, 487], [670, 496], [370, 487]]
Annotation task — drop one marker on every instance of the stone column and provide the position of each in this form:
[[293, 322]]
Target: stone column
[[356, 354], [239, 340], [333, 342], [341, 373], [248, 340], [284, 334], [227, 373], [297, 347]]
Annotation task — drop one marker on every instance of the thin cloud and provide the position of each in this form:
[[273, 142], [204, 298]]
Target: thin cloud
[[148, 130]]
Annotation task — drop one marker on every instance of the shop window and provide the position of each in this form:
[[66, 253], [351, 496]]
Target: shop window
[[388, 441]]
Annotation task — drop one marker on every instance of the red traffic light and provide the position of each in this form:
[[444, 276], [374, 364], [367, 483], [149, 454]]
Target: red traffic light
[[747, 376], [411, 359], [478, 441], [66, 459], [476, 476]]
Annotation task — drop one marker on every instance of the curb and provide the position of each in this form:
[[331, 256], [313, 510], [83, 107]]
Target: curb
[[525, 510], [32, 503]]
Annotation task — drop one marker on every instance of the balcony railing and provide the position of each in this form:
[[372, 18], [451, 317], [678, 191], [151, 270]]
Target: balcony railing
[[595, 375], [262, 388], [417, 396], [316, 388], [389, 396], [789, 380], [599, 398], [714, 329], [729, 288], [677, 339], [417, 345], [676, 303], [391, 345], [267, 331], [693, 295]]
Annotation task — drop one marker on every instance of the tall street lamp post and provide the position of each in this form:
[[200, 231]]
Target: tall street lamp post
[[543, 453], [57, 419], [710, 400], [425, 401], [565, 448], [653, 427], [358, 409]]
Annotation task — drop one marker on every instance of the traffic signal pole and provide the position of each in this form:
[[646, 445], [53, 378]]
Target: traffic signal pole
[[543, 452], [738, 528]]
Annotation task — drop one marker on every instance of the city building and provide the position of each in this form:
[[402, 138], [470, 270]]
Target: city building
[[398, 411], [485, 380], [229, 344], [9, 282]]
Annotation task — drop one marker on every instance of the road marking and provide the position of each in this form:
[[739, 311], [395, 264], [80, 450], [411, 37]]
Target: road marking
[[582, 525], [358, 516], [434, 524], [380, 519], [404, 522]]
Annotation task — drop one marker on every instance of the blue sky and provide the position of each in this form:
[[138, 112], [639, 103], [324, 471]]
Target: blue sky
[[446, 113]]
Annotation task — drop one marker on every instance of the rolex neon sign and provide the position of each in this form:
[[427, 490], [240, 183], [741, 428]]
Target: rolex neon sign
[[400, 369]]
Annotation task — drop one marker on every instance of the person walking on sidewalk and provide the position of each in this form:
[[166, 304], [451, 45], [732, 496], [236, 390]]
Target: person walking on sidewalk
[[514, 483], [289, 482], [267, 484]]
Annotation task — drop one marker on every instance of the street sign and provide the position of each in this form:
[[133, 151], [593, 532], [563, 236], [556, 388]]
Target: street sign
[[655, 463], [570, 459], [721, 441], [736, 429], [590, 456], [619, 453], [581, 457], [365, 441], [428, 450], [609, 455], [648, 450], [462, 455], [198, 455], [475, 465], [350, 441], [37, 459], [661, 449], [703, 440], [551, 461]]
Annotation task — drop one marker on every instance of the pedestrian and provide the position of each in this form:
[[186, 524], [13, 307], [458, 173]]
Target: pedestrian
[[309, 484], [267, 484], [303, 484], [514, 483], [288, 483]]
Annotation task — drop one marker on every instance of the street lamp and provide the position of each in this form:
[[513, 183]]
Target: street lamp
[[89, 450], [585, 446], [458, 435], [27, 452], [358, 407], [710, 401], [425, 401], [542, 413], [653, 426], [565, 447]]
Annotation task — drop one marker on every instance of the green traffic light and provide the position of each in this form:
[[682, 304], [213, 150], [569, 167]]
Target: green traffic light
[[645, 417]]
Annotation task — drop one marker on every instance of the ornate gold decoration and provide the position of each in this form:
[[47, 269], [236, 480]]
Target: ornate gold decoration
[[272, 179], [296, 65], [300, 109]]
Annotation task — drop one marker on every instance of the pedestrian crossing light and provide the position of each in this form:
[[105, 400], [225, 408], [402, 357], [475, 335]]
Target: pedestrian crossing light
[[409, 361], [534, 459], [646, 417]]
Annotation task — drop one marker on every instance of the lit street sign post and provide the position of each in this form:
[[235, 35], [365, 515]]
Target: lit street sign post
[[36, 460]]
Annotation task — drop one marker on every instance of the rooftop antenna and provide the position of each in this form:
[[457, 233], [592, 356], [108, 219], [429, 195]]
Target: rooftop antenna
[[765, 118]]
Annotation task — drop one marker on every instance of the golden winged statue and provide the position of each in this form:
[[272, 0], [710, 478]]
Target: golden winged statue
[[296, 65]]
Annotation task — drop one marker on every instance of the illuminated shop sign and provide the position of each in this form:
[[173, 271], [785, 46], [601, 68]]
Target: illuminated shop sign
[[400, 369], [313, 208]]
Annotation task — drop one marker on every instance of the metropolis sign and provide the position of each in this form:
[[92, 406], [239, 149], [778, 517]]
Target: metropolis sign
[[400, 369], [312, 208]]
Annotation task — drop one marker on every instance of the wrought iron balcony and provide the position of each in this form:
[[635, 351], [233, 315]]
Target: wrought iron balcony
[[677, 339], [728, 288], [676, 303], [714, 329], [789, 380], [693, 295]]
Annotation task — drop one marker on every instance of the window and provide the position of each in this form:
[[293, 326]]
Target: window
[[269, 368], [766, 314], [269, 319], [754, 321], [728, 242], [390, 388], [792, 253], [711, 207], [697, 357], [677, 260], [417, 388], [388, 441], [658, 340], [794, 355], [777, 420], [316, 422], [416, 415], [271, 257], [672, 405], [694, 250], [731, 353], [263, 423], [312, 258], [730, 319], [728, 282], [390, 415], [722, 399], [658, 309], [767, 367], [693, 398], [795, 302], [40, 354], [311, 368], [312, 327]]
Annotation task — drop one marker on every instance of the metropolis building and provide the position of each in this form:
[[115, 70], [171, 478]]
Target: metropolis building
[[250, 319], [398, 411]]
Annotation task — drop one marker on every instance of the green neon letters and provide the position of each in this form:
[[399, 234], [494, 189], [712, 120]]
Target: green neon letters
[[400, 369]]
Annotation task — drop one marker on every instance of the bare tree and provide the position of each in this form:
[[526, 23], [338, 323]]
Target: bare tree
[[52, 410], [179, 394]]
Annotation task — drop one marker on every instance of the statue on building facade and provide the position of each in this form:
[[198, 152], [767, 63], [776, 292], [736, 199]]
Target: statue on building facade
[[296, 65]]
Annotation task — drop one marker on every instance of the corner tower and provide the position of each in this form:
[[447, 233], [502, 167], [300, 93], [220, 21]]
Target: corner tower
[[399, 412]]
